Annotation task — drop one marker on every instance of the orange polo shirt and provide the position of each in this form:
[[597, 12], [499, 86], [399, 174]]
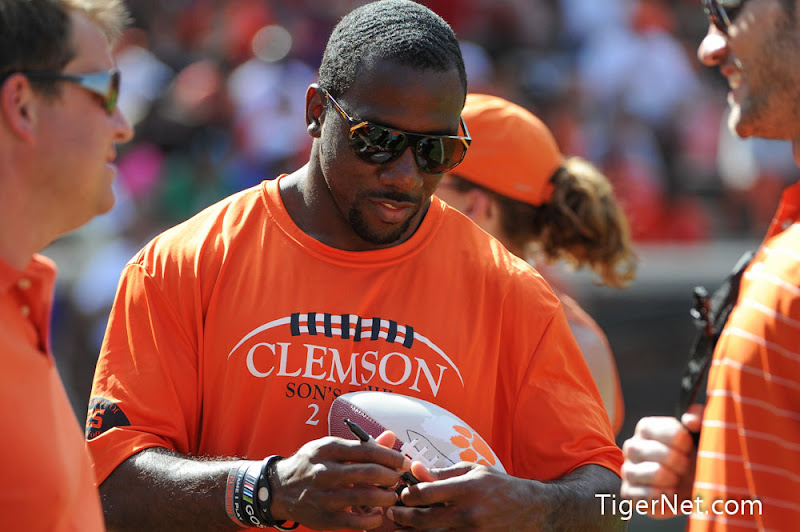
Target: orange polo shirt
[[749, 452], [48, 484]]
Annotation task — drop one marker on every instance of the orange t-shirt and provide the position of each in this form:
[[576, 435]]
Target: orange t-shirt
[[750, 443], [232, 333], [596, 342], [48, 484]]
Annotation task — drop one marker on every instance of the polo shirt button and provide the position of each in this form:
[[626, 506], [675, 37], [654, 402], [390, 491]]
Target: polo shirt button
[[25, 310], [24, 283], [787, 224]]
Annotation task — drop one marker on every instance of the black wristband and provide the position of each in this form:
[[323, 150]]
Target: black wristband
[[245, 506], [264, 494]]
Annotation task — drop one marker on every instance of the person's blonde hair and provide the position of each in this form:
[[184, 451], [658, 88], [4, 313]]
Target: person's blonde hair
[[111, 16], [582, 223]]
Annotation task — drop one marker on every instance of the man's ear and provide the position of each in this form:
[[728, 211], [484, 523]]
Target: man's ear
[[315, 109], [478, 205], [17, 106], [485, 212]]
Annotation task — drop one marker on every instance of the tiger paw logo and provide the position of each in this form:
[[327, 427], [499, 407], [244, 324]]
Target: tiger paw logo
[[474, 449]]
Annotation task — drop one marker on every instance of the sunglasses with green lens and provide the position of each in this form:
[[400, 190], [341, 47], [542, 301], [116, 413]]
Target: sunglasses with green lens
[[104, 84]]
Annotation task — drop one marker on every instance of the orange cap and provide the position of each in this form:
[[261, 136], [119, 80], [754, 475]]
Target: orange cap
[[512, 152]]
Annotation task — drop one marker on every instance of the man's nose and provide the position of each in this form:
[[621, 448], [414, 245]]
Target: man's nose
[[123, 130], [403, 173], [713, 48]]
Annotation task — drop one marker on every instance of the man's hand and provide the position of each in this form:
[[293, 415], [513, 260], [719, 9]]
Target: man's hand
[[474, 497], [660, 458], [333, 483], [463, 496]]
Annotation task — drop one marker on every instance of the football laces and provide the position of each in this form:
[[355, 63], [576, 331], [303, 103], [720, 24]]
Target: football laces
[[413, 453]]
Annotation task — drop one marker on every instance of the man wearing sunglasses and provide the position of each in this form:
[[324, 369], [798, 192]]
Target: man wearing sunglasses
[[58, 130], [232, 333], [745, 471]]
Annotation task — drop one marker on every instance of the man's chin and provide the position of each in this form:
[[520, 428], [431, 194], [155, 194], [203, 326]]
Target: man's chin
[[746, 125], [383, 237], [106, 204], [736, 125]]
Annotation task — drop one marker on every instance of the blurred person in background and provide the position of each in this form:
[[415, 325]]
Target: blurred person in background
[[349, 268], [543, 207], [59, 127], [747, 457]]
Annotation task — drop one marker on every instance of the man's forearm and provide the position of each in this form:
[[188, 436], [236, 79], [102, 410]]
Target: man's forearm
[[158, 489], [572, 503]]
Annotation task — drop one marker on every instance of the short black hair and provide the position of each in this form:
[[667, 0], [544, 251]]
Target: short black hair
[[36, 35], [402, 31]]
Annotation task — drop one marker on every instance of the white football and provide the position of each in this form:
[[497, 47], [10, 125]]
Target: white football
[[425, 432]]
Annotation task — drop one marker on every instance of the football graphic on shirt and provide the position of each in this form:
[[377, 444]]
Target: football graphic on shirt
[[425, 432]]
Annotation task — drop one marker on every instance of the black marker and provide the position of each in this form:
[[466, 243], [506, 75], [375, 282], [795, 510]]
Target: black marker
[[362, 435]]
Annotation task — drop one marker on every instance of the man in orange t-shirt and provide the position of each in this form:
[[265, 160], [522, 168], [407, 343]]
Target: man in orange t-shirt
[[232, 333], [744, 474], [58, 128]]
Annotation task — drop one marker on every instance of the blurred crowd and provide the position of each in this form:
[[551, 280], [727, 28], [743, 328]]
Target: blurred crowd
[[215, 90]]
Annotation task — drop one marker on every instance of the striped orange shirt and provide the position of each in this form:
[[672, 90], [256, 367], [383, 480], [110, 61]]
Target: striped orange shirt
[[748, 463]]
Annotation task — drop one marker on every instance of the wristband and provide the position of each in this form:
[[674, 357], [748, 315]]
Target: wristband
[[264, 494], [242, 501], [234, 512]]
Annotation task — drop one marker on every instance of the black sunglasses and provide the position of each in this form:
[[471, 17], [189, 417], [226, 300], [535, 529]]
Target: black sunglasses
[[722, 12], [377, 144], [104, 84]]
